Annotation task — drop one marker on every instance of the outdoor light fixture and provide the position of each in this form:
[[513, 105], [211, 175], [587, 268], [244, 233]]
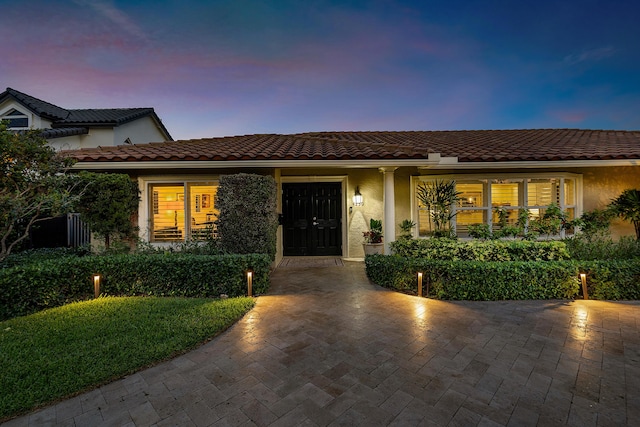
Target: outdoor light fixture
[[249, 283], [357, 198], [96, 285], [583, 280], [419, 283]]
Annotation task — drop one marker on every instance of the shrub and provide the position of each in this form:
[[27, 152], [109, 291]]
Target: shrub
[[613, 280], [472, 280], [592, 247], [28, 288], [493, 250], [248, 220]]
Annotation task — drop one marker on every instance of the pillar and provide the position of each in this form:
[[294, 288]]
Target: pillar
[[389, 203]]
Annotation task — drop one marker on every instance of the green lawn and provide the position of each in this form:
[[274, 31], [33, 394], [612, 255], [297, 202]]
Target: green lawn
[[62, 351]]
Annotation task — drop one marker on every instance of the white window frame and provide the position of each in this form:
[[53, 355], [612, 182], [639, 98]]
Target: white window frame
[[578, 192], [145, 207], [6, 116]]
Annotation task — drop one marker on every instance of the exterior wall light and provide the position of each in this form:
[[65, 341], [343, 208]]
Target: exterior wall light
[[583, 280], [96, 285], [357, 198], [249, 283]]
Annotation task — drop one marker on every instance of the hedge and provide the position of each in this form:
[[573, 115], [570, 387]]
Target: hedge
[[474, 280], [28, 288], [612, 279], [475, 250]]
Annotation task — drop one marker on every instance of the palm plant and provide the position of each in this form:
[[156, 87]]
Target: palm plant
[[439, 198], [627, 207]]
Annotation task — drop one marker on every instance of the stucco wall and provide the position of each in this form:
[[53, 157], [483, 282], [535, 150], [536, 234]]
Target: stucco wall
[[602, 185], [138, 131]]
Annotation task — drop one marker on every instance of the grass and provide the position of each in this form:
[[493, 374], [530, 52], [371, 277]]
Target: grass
[[62, 351]]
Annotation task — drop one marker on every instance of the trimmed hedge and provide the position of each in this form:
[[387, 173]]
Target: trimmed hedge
[[612, 279], [474, 250], [28, 288], [473, 280]]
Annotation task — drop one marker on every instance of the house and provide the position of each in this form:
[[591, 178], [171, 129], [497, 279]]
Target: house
[[320, 173], [67, 129], [81, 128]]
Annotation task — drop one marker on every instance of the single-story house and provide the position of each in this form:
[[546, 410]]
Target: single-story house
[[81, 128], [319, 174]]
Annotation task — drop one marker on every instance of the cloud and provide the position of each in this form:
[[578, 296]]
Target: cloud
[[590, 55], [107, 9]]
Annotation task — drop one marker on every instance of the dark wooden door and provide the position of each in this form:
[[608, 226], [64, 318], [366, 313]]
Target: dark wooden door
[[312, 218]]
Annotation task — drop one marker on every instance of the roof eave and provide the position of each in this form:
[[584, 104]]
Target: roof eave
[[428, 164], [234, 164], [538, 164]]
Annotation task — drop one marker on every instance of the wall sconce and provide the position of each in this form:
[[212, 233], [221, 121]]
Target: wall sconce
[[249, 283], [96, 285], [357, 198]]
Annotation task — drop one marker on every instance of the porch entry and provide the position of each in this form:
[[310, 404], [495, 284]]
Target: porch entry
[[312, 219]]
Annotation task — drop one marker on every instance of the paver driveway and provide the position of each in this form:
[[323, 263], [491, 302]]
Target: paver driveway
[[326, 347]]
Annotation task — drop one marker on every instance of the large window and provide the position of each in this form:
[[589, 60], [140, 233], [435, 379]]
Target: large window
[[182, 211], [482, 198]]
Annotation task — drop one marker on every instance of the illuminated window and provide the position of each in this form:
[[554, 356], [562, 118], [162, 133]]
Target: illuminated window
[[182, 211], [486, 200]]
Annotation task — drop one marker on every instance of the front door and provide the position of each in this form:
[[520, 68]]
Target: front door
[[312, 218]]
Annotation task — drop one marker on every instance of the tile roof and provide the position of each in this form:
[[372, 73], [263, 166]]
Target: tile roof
[[38, 106], [105, 116], [467, 146], [65, 118]]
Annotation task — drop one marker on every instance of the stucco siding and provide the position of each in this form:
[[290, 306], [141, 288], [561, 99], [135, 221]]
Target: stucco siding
[[138, 131]]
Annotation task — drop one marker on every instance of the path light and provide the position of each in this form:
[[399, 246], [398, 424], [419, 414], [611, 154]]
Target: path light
[[96, 285], [583, 279], [250, 283], [419, 283]]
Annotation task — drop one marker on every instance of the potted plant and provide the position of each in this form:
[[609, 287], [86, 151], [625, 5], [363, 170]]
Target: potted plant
[[373, 238]]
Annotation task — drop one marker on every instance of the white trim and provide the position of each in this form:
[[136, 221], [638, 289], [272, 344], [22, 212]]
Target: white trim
[[422, 164], [534, 164], [577, 178], [145, 202], [343, 179], [226, 164]]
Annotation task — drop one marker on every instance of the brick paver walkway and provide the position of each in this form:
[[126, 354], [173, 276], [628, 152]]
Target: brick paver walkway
[[326, 347]]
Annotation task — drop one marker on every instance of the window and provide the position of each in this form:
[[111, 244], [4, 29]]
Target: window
[[182, 211], [483, 200], [16, 119]]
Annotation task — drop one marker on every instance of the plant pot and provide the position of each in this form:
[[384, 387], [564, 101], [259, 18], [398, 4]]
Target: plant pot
[[373, 248]]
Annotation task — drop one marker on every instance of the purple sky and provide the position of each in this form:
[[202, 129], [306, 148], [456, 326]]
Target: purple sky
[[216, 68]]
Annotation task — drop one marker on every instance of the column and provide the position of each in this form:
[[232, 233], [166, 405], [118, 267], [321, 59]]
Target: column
[[389, 202]]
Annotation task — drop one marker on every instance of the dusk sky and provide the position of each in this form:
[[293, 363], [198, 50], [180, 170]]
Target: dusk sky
[[218, 68]]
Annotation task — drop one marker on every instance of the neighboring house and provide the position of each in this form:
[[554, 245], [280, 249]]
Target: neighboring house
[[67, 129], [319, 173], [81, 128]]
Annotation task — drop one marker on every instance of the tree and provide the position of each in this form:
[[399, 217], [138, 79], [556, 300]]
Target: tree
[[439, 198], [33, 187], [107, 202], [627, 207]]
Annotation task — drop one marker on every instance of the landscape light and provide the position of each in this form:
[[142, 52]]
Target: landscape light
[[250, 283], [96, 285]]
